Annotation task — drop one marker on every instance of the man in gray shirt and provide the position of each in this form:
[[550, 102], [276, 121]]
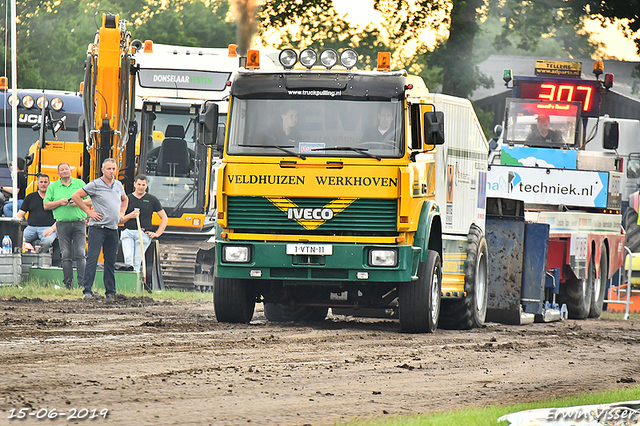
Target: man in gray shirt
[[109, 206]]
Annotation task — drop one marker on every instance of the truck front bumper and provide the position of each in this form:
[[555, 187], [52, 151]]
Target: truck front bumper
[[347, 262]]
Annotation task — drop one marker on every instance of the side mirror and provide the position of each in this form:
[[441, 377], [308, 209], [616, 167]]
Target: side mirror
[[434, 127], [221, 132], [611, 135], [208, 124]]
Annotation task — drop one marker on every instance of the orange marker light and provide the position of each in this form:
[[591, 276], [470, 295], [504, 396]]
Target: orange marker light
[[598, 67], [384, 61], [81, 87], [4, 83], [148, 46], [232, 51], [253, 59]]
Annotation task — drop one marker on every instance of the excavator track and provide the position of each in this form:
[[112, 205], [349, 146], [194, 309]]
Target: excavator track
[[178, 264]]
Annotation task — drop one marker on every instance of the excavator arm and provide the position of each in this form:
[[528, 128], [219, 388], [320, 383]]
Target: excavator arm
[[108, 101]]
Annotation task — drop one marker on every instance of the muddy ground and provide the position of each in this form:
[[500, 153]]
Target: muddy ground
[[171, 363]]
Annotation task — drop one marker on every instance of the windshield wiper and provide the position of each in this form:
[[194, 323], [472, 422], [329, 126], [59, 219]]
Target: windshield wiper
[[362, 151], [282, 148]]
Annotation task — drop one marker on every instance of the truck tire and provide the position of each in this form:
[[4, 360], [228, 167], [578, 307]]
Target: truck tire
[[630, 221], [576, 294], [599, 284], [419, 300], [276, 312], [471, 311], [233, 300]]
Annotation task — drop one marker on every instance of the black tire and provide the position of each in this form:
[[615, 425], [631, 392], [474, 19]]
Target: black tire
[[276, 312], [419, 300], [233, 300], [470, 311], [599, 284], [576, 294], [630, 221]]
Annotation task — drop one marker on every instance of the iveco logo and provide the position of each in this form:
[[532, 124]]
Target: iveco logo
[[309, 213]]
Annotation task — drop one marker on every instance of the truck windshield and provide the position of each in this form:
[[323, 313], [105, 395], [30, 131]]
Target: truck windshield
[[316, 128], [542, 124], [171, 165]]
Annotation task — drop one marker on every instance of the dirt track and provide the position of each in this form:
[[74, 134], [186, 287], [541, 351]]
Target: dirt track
[[171, 363]]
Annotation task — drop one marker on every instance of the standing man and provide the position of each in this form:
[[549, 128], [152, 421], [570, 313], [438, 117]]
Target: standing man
[[141, 204], [41, 224], [109, 203], [70, 222]]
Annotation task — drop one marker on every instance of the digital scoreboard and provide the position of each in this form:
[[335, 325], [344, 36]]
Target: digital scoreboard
[[560, 89]]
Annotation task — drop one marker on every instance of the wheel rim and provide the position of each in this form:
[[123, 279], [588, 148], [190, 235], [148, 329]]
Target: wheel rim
[[481, 282], [597, 282], [584, 284], [435, 294]]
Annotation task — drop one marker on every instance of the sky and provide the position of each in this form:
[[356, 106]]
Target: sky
[[361, 12]]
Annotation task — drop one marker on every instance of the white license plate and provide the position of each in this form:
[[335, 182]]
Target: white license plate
[[310, 249]]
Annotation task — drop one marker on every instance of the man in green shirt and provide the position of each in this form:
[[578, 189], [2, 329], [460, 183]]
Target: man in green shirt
[[70, 222]]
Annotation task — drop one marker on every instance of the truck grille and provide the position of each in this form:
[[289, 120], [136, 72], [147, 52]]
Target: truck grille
[[361, 217]]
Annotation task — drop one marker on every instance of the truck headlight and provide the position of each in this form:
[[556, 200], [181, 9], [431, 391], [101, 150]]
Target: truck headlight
[[236, 254], [383, 257]]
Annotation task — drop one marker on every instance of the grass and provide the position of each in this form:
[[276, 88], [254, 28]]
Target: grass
[[48, 290], [488, 416]]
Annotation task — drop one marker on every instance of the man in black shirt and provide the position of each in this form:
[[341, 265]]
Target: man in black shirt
[[42, 225], [141, 204], [541, 134]]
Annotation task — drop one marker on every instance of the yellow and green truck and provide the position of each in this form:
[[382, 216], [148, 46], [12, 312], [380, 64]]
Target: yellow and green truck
[[342, 188]]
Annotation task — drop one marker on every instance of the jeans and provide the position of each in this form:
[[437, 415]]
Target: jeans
[[8, 208], [33, 233], [130, 239], [107, 240], [73, 240]]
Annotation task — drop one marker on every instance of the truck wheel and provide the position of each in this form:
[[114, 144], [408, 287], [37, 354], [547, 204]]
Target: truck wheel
[[233, 300], [599, 284], [471, 311], [419, 300], [577, 295], [275, 312], [630, 221]]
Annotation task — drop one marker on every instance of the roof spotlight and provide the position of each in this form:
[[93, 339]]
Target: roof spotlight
[[308, 57], [56, 104], [42, 102], [11, 98], [28, 101], [288, 58], [328, 58], [348, 58]]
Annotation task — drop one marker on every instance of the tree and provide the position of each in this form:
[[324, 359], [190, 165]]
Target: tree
[[316, 24], [52, 35], [524, 23]]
